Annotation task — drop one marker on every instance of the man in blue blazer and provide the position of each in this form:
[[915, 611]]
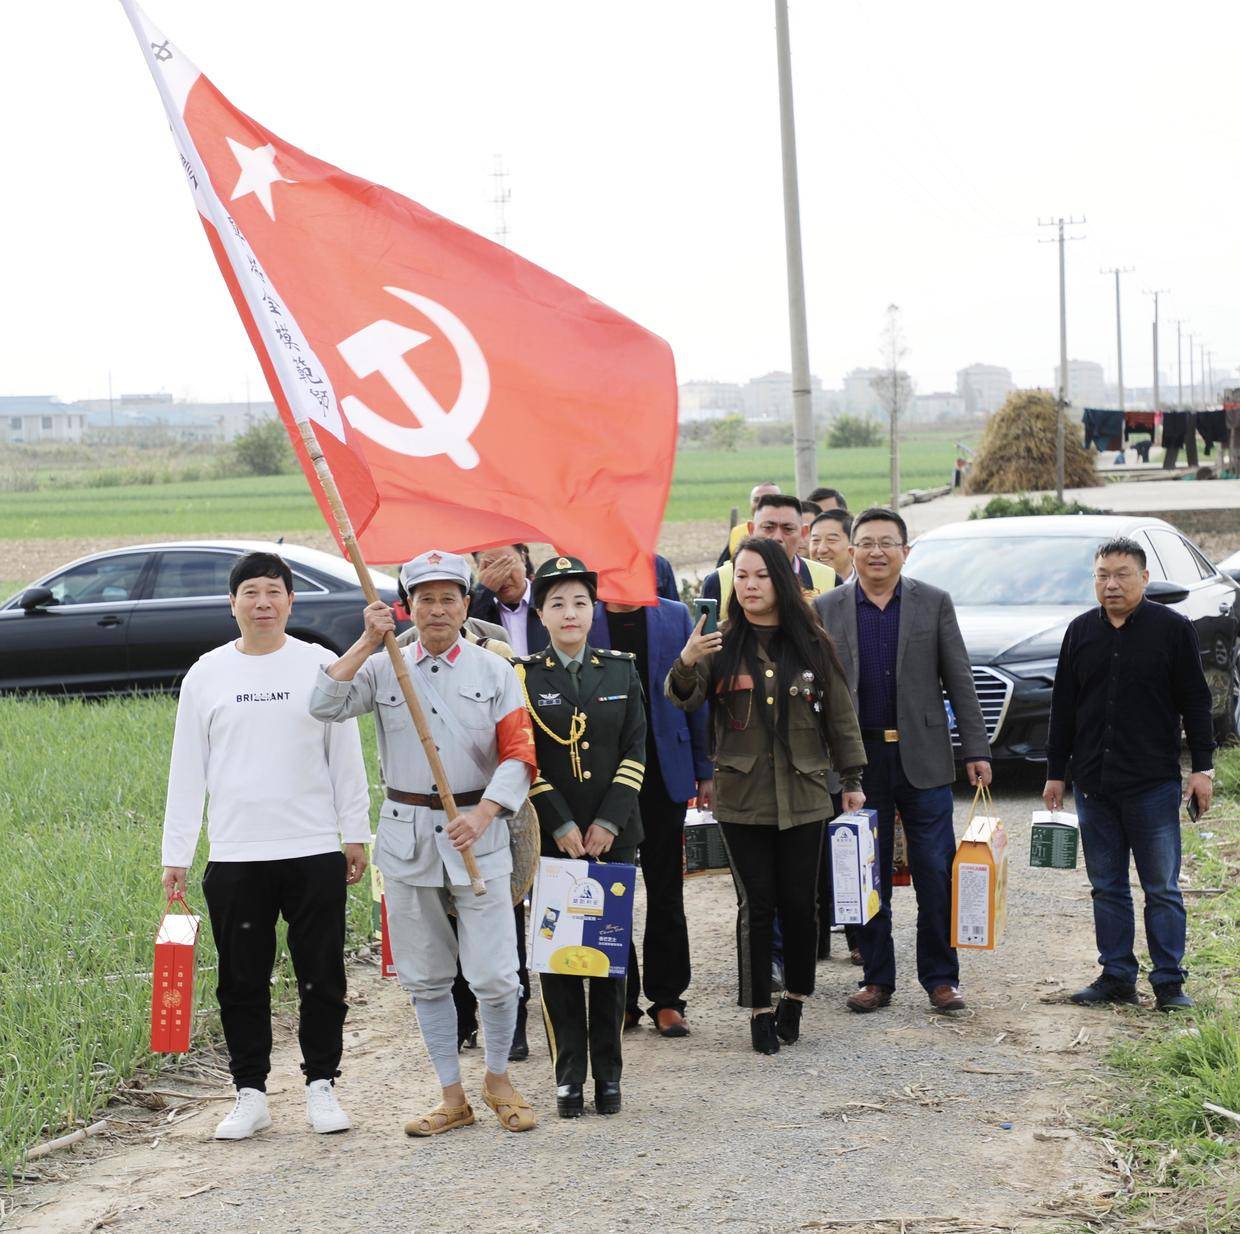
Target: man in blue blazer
[[677, 768]]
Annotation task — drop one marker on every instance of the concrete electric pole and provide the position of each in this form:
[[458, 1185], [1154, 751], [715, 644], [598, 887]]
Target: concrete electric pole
[[1190, 421], [1119, 331], [804, 446], [1156, 292], [1063, 346]]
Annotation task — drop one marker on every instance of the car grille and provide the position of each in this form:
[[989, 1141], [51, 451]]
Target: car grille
[[994, 692]]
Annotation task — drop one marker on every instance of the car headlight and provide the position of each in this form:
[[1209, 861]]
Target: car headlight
[[1038, 670]]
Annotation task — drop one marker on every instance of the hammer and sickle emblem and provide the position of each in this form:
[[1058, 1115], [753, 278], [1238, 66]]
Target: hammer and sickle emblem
[[162, 50], [380, 348]]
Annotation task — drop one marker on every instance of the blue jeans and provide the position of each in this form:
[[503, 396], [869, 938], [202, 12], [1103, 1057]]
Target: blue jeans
[[927, 817], [1147, 826]]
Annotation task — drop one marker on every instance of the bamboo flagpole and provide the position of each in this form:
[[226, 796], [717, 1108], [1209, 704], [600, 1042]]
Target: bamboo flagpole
[[344, 527], [298, 380]]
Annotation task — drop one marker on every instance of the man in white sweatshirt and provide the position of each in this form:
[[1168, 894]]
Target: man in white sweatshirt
[[282, 791]]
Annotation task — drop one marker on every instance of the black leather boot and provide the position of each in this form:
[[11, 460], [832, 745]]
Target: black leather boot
[[762, 1033], [569, 1101], [788, 1019], [607, 1096]]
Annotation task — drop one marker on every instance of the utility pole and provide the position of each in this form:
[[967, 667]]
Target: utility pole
[[500, 199], [1156, 292], [1179, 367], [804, 446], [1119, 333], [1060, 223], [1171, 453], [1190, 421]]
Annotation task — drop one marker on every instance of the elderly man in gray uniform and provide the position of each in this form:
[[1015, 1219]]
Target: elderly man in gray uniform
[[473, 705]]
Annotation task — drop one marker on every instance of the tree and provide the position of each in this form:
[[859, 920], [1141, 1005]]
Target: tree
[[263, 449], [727, 434], [853, 432], [893, 387]]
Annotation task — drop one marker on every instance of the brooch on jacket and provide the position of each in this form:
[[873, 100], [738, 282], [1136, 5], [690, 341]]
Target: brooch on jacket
[[813, 699]]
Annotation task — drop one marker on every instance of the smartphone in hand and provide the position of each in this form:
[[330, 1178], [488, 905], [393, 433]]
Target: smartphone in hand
[[1194, 810], [709, 609]]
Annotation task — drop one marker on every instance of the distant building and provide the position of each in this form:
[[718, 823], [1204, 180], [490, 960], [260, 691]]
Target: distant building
[[860, 397], [39, 417], [984, 388], [219, 422], [769, 397], [941, 405], [1086, 384], [710, 400]]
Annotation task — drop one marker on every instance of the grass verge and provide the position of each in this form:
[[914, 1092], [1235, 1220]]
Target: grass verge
[[81, 813], [1182, 1159]]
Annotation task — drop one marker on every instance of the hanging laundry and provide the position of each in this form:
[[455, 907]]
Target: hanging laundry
[[1174, 425], [1105, 429]]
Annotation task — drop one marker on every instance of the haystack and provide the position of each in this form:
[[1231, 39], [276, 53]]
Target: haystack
[[1017, 454]]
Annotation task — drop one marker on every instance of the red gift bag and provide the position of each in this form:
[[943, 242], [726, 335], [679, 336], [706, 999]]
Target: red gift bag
[[172, 996], [385, 946]]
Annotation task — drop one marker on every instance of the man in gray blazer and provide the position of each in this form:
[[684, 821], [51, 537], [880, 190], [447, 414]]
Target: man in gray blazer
[[900, 646]]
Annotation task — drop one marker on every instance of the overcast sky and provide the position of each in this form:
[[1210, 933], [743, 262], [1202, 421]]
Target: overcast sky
[[642, 141]]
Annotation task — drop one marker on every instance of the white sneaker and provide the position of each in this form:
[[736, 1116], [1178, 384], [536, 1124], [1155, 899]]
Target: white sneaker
[[323, 1110], [249, 1115]]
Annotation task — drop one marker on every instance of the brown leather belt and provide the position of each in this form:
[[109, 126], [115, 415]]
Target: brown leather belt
[[433, 801]]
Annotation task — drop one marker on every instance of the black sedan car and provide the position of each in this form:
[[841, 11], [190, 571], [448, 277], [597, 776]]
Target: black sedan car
[[137, 618], [1018, 582]]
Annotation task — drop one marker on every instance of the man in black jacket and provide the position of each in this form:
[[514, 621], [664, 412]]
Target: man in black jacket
[[1129, 676]]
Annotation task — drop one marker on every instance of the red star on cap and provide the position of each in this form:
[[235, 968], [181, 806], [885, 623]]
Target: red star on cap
[[434, 559]]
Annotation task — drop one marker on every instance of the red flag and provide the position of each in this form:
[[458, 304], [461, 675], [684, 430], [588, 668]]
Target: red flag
[[472, 398]]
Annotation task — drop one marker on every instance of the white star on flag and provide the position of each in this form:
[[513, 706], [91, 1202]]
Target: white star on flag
[[258, 173]]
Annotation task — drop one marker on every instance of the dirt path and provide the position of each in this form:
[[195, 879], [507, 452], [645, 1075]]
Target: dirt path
[[898, 1115]]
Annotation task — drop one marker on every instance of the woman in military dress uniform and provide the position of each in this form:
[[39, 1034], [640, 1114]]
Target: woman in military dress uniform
[[590, 735]]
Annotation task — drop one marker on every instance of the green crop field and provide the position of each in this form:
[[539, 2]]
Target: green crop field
[[252, 506], [81, 811], [707, 484]]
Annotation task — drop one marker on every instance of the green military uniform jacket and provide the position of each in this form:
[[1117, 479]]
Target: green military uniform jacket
[[759, 779], [609, 749]]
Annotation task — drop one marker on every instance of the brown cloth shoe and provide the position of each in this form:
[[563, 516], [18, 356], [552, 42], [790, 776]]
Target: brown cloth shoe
[[946, 998], [869, 998], [671, 1023]]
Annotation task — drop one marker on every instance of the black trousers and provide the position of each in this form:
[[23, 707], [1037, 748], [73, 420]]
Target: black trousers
[[463, 997], [774, 871], [244, 900], [584, 1017], [665, 944]]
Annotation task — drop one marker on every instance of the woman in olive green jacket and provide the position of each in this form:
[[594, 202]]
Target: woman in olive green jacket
[[782, 719]]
